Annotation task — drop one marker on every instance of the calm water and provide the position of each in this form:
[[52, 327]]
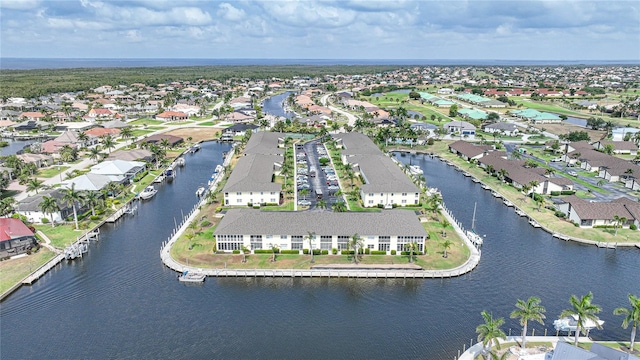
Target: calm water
[[121, 302], [576, 121], [14, 146], [273, 105]]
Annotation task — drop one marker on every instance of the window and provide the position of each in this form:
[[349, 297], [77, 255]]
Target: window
[[370, 246], [283, 237], [251, 193], [342, 242], [261, 192], [404, 201], [383, 247], [256, 242], [239, 193], [273, 200], [417, 195], [404, 194], [273, 193], [325, 242], [371, 194], [370, 201], [229, 242], [296, 242], [269, 237], [239, 201]]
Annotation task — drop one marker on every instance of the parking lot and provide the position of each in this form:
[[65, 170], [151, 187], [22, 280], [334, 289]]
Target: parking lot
[[315, 182]]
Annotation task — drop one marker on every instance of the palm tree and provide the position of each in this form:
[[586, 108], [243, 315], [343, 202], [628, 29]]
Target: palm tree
[[71, 196], [244, 250], [165, 144], [632, 316], [321, 204], [619, 222], [311, 238], [532, 185], [108, 142], [95, 154], [6, 206], [355, 243], [34, 184], [339, 206], [412, 248], [445, 245], [92, 198], [274, 249], [490, 331], [528, 310], [126, 133], [584, 310], [48, 205], [502, 173]]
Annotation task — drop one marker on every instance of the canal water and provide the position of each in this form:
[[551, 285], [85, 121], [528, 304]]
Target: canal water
[[14, 146], [273, 105], [121, 302]]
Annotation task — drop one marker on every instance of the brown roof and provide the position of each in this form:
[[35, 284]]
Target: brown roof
[[600, 210], [468, 149]]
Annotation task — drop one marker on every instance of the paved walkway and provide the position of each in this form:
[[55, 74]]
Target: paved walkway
[[476, 349]]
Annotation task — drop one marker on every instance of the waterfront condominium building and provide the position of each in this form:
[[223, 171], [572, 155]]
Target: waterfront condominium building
[[251, 181], [255, 229], [385, 183]]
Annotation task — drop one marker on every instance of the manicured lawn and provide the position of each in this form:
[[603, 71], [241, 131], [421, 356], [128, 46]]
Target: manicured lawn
[[137, 133], [177, 123], [207, 123], [15, 270], [61, 235], [51, 171], [286, 206], [146, 122]]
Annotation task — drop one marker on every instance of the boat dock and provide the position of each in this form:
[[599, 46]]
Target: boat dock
[[127, 209]]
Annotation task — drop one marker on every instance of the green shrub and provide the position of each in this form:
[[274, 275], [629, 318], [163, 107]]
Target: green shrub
[[294, 252], [556, 193], [334, 251], [414, 253], [305, 251], [44, 220], [378, 252], [236, 251], [633, 227], [94, 217], [393, 252], [324, 252], [559, 214], [205, 223], [367, 251], [347, 252], [265, 251], [567, 192]]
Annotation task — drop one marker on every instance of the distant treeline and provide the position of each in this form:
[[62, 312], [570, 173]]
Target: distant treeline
[[34, 83]]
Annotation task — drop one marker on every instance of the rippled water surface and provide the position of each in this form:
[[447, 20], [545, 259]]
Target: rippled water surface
[[121, 302]]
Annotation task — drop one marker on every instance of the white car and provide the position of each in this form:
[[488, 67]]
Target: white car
[[304, 202], [573, 173]]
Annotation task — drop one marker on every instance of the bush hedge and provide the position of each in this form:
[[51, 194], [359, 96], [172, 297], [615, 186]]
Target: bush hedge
[[268, 251], [633, 227], [347, 252], [295, 252], [393, 252], [236, 251], [378, 252], [334, 251], [324, 252]]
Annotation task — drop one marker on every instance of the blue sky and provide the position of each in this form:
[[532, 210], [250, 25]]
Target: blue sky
[[340, 29]]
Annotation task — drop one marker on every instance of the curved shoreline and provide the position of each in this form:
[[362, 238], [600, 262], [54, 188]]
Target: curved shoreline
[[555, 234]]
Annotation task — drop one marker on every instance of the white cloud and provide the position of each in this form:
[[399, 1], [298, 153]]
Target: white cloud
[[228, 12], [19, 4]]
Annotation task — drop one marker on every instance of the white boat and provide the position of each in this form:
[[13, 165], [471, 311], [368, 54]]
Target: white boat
[[159, 179], [534, 223], [415, 170], [570, 324], [194, 277], [508, 203], [475, 180], [520, 212], [147, 193], [180, 161], [200, 191], [471, 234], [486, 187], [495, 194], [169, 172], [195, 148]]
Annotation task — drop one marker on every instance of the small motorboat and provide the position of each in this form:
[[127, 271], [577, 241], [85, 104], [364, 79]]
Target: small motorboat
[[415, 170], [147, 193], [192, 277], [180, 161], [570, 324], [200, 191]]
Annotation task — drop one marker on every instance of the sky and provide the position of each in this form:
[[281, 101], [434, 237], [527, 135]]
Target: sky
[[331, 29]]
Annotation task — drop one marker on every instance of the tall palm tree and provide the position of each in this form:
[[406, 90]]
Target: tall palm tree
[[48, 205], [321, 204], [165, 144], [6, 206], [339, 206], [528, 310], [126, 133], [584, 310], [355, 243], [445, 245], [490, 331], [72, 197], [34, 184], [95, 154], [108, 142], [274, 249], [632, 317], [619, 222], [532, 185], [311, 238], [92, 198]]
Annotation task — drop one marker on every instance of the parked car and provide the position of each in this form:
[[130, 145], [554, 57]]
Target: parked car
[[573, 173], [556, 160], [304, 202], [303, 186]]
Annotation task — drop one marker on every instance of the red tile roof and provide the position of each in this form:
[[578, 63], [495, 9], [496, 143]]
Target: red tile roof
[[13, 228]]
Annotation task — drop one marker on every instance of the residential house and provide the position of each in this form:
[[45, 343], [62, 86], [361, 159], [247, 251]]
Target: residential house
[[15, 238], [460, 128], [469, 151], [119, 168], [30, 207], [172, 116], [619, 147], [589, 214], [508, 129]]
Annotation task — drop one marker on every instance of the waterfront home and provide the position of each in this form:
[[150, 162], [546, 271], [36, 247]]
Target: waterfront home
[[536, 116], [40, 160], [15, 238], [251, 181], [173, 140], [32, 116], [258, 230], [623, 133], [119, 168], [460, 128], [473, 114], [99, 114], [590, 214], [100, 131], [92, 182], [239, 117], [30, 207], [384, 182], [469, 151], [132, 155]]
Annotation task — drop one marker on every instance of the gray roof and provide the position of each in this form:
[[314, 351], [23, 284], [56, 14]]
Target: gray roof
[[265, 143], [381, 174], [32, 203], [357, 144], [253, 172], [256, 222]]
